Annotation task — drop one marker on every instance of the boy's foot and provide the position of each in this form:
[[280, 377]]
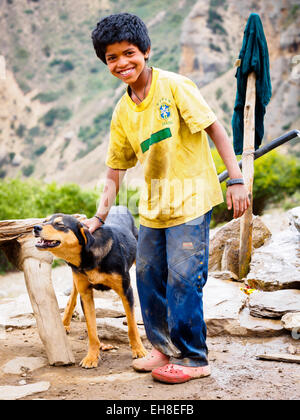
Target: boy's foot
[[177, 374], [153, 360]]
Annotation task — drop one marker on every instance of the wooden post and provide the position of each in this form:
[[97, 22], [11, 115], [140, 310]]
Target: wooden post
[[248, 174], [37, 268], [18, 243]]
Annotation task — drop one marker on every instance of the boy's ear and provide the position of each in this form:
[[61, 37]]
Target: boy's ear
[[87, 237], [147, 53]]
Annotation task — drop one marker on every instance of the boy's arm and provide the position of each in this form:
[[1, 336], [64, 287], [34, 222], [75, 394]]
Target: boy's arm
[[237, 194], [113, 181]]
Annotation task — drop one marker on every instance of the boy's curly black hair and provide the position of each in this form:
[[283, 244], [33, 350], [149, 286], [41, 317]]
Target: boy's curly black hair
[[117, 28]]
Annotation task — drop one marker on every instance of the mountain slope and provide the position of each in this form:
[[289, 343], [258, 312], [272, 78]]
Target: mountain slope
[[57, 99]]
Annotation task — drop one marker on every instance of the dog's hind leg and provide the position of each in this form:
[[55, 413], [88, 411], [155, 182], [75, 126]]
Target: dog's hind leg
[[126, 294], [70, 308]]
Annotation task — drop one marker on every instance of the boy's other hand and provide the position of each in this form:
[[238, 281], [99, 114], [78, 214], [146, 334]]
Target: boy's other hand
[[93, 224], [237, 197]]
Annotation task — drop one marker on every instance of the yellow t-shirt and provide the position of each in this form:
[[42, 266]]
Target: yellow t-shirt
[[165, 133]]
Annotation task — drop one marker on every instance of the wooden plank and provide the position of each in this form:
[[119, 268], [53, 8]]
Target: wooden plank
[[280, 357], [248, 174], [12, 229]]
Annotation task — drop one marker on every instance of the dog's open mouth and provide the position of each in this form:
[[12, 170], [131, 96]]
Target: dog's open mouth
[[45, 243]]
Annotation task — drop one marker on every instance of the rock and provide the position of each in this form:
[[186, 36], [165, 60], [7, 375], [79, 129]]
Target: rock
[[275, 265], [20, 322], [69, 135], [19, 313], [113, 329], [106, 309], [259, 327], [228, 236], [294, 217], [274, 304], [230, 257], [222, 303], [21, 364], [291, 321], [224, 275], [17, 160], [17, 392]]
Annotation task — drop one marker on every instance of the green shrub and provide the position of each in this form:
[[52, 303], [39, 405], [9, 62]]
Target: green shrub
[[62, 114], [65, 66], [40, 150], [219, 93], [28, 170], [55, 62], [34, 131], [46, 97], [20, 131], [70, 86], [28, 199], [276, 177], [22, 54]]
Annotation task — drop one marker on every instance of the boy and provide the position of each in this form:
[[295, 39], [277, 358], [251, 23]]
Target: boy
[[161, 121]]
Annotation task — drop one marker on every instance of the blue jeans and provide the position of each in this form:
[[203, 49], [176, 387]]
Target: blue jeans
[[172, 266]]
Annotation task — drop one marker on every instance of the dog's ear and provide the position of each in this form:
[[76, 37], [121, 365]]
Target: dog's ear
[[87, 237]]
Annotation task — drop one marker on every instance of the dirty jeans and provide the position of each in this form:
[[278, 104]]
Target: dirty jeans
[[171, 271]]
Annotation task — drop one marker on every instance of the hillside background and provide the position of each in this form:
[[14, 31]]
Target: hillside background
[[56, 98]]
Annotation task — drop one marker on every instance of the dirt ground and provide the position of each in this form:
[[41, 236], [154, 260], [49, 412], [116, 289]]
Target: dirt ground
[[236, 372]]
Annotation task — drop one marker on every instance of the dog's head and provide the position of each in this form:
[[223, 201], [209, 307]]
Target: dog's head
[[64, 236]]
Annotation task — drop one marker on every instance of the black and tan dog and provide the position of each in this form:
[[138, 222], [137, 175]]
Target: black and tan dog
[[101, 261]]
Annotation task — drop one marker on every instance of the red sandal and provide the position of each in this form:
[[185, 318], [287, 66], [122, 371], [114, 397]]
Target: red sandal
[[152, 361], [177, 374]]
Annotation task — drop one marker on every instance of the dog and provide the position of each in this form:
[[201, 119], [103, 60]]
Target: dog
[[100, 261]]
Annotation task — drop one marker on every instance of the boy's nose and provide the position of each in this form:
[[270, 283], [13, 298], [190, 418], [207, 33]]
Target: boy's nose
[[122, 63]]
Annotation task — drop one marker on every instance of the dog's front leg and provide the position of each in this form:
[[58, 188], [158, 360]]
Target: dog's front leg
[[70, 308], [87, 301]]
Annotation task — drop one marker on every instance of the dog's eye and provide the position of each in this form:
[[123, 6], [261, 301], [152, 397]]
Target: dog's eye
[[59, 225]]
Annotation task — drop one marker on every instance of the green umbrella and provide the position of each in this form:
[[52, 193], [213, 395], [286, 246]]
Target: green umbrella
[[254, 57]]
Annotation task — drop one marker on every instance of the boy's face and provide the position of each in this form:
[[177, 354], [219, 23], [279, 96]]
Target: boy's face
[[125, 61]]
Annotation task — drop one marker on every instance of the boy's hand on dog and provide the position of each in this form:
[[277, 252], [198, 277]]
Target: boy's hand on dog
[[237, 196], [93, 224]]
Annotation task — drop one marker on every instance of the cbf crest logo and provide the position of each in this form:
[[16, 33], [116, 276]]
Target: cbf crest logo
[[164, 110]]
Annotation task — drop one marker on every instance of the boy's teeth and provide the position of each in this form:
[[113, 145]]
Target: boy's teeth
[[126, 72]]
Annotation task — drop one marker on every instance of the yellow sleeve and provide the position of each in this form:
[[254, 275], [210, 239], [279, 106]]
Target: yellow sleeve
[[120, 153], [191, 105]]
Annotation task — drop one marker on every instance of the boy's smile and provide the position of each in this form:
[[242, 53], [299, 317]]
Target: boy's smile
[[126, 62]]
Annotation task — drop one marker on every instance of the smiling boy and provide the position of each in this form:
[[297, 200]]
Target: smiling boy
[[161, 121]]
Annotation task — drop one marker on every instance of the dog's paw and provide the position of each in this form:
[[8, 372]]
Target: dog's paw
[[89, 362], [139, 352], [67, 329]]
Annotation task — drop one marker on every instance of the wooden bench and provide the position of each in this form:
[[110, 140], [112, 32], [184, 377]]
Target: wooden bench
[[18, 243]]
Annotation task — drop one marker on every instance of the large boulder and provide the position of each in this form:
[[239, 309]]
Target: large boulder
[[274, 304], [275, 265], [224, 244], [294, 217], [291, 322]]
